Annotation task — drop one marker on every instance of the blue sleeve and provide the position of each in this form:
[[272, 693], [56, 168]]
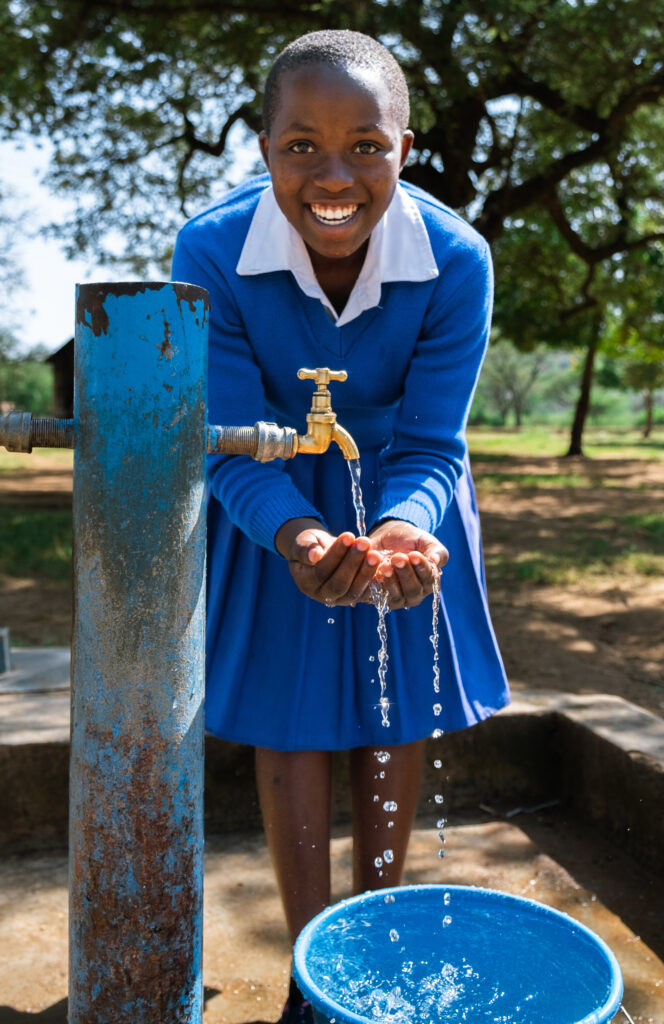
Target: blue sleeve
[[257, 497], [423, 462]]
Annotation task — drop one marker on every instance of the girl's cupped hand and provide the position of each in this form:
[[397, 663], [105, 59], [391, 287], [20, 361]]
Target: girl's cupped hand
[[404, 559], [333, 570], [411, 561]]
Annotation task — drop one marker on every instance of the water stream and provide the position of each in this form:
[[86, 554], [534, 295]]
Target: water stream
[[380, 600]]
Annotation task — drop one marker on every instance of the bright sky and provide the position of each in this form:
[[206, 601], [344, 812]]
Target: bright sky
[[45, 309]]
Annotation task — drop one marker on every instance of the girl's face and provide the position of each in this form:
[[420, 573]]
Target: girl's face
[[334, 153]]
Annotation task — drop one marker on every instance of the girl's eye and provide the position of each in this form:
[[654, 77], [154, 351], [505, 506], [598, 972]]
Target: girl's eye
[[366, 148], [301, 147]]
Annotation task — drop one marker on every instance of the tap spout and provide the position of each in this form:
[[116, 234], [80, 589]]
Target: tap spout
[[345, 441]]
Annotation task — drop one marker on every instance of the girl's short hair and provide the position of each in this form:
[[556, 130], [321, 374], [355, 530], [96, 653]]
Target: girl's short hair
[[338, 48]]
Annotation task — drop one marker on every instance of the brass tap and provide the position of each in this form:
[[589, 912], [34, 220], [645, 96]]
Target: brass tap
[[20, 431], [323, 428]]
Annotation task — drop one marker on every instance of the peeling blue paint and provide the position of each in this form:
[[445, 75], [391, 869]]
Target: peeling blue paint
[[136, 816]]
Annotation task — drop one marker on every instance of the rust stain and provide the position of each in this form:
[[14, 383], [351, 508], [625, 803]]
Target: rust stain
[[138, 949], [166, 348], [191, 294], [91, 299], [90, 302]]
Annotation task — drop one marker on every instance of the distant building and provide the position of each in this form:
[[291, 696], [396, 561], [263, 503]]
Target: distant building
[[62, 362]]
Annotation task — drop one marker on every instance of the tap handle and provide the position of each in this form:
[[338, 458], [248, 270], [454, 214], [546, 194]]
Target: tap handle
[[322, 375]]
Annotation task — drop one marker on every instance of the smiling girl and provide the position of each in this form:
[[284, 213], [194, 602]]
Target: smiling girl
[[331, 260]]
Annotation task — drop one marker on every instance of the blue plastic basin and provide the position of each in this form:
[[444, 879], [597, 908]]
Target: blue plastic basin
[[453, 954]]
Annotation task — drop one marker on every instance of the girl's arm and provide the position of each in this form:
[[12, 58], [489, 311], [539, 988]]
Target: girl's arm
[[422, 464], [425, 458]]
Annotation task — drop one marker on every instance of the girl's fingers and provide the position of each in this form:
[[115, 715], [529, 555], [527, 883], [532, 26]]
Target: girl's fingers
[[411, 588], [349, 575], [333, 556]]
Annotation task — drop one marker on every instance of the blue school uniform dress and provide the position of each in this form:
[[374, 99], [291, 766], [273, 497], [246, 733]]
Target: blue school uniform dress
[[284, 671]]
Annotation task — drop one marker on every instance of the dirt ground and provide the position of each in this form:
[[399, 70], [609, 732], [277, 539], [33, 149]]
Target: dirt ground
[[602, 633]]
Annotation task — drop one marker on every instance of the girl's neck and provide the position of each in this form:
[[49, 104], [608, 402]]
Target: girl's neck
[[337, 277]]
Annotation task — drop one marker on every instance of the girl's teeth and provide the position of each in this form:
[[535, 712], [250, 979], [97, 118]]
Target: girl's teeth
[[333, 214]]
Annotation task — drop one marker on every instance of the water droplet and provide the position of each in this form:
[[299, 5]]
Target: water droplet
[[394, 935], [438, 798], [447, 899], [390, 805], [382, 756], [330, 621], [441, 853], [376, 798], [438, 763], [372, 657], [389, 898], [390, 824], [437, 708], [441, 836], [381, 775], [437, 733], [388, 856], [447, 920], [441, 823], [378, 862]]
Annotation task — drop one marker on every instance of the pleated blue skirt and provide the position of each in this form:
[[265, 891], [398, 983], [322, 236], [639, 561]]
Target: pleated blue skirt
[[288, 673]]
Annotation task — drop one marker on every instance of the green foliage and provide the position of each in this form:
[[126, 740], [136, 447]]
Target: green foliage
[[35, 542], [517, 106], [25, 383]]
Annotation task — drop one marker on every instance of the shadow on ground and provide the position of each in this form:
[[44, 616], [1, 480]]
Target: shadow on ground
[[57, 1014]]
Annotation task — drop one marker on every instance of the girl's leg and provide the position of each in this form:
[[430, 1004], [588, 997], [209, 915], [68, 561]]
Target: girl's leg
[[294, 790], [372, 832]]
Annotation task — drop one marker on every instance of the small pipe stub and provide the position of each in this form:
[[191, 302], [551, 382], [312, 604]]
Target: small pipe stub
[[15, 431], [21, 432]]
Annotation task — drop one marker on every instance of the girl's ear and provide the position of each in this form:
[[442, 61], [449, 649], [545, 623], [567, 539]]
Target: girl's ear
[[406, 146], [264, 143]]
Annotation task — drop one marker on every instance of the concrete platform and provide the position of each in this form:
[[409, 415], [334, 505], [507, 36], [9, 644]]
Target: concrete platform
[[247, 956], [599, 756], [558, 797]]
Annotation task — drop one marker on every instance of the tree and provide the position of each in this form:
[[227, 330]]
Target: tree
[[26, 382], [144, 100], [508, 377], [635, 333], [646, 378], [529, 116], [12, 272]]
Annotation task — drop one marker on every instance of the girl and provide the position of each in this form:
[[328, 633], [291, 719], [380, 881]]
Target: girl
[[330, 260]]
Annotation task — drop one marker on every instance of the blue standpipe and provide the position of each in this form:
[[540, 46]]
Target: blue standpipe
[[136, 780]]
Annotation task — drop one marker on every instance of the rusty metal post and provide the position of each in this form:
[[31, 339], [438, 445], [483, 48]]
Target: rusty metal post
[[136, 804]]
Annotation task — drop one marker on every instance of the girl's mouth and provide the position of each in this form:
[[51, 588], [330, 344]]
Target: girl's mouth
[[333, 215]]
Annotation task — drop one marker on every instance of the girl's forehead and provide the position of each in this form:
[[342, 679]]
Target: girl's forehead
[[322, 91]]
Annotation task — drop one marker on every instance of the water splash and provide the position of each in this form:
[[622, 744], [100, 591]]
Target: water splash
[[379, 597], [360, 513], [435, 594], [377, 593]]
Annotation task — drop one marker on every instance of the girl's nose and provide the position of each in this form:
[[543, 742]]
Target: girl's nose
[[333, 174]]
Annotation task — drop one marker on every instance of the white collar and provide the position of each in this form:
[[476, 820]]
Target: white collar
[[399, 250]]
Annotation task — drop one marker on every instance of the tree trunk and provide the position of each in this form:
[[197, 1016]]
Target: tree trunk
[[583, 402], [648, 402]]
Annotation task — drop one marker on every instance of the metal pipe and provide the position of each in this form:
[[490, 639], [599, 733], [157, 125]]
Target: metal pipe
[[136, 782]]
